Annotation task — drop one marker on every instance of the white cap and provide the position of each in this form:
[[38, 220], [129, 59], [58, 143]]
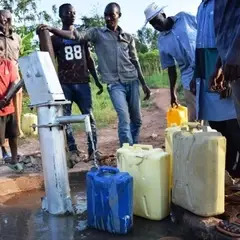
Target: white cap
[[152, 11]]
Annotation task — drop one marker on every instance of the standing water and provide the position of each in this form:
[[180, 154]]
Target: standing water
[[21, 218]]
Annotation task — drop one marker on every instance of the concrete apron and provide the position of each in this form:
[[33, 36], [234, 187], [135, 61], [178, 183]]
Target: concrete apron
[[13, 184]]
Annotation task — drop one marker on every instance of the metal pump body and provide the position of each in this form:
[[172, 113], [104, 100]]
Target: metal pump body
[[46, 95]]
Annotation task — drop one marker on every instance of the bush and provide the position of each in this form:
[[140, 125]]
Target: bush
[[150, 63]]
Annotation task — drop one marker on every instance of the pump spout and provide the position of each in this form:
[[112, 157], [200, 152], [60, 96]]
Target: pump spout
[[75, 119]]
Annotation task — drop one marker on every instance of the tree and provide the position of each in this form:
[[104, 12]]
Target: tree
[[94, 21], [148, 37], [141, 47], [28, 44], [26, 18], [26, 12]]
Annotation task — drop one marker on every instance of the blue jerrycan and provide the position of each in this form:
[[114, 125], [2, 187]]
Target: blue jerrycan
[[110, 200]]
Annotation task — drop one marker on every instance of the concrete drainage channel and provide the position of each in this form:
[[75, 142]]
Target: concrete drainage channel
[[21, 218]]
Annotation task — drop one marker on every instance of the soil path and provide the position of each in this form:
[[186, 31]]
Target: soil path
[[152, 132]]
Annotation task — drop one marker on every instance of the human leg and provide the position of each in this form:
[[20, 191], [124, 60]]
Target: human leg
[[236, 97], [118, 95], [12, 133], [4, 151], [17, 100], [191, 105], [233, 130], [134, 104], [67, 111], [231, 151], [83, 98], [5, 154]]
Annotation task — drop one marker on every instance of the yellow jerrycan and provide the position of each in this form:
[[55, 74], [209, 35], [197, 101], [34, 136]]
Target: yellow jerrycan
[[168, 145], [27, 121], [177, 115], [150, 171], [199, 171], [194, 126]]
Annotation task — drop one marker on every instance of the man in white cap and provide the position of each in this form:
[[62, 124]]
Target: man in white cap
[[176, 43]]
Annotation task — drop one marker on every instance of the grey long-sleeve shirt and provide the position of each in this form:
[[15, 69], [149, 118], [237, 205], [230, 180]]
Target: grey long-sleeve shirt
[[115, 52]]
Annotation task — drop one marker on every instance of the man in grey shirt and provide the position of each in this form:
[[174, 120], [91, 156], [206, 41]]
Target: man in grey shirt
[[119, 68]]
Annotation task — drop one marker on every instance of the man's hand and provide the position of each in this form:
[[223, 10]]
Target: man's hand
[[231, 72], [192, 86], [174, 99], [216, 82], [43, 27], [3, 103], [100, 87], [146, 91]]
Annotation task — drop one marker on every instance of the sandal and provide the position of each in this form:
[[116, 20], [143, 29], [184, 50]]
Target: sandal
[[230, 228], [18, 168]]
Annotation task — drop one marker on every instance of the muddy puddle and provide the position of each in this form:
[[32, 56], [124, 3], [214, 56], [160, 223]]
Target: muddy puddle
[[21, 218]]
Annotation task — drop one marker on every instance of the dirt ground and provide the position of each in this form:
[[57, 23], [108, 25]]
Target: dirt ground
[[152, 132]]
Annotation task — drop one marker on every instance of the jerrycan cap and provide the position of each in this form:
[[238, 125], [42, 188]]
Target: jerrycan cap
[[184, 126], [126, 145]]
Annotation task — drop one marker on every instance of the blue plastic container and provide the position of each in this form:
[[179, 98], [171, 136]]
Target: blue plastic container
[[110, 200]]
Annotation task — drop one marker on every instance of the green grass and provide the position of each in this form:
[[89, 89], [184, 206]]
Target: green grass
[[158, 80], [162, 81], [102, 106]]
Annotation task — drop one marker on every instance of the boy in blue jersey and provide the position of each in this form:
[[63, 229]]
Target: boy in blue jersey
[[74, 64]]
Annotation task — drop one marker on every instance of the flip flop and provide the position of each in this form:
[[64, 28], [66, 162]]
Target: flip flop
[[7, 158], [230, 228], [18, 168]]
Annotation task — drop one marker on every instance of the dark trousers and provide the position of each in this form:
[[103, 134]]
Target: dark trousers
[[81, 95], [231, 131]]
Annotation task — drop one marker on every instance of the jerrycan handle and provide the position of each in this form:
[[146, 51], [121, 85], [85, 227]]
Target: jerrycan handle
[[180, 107], [191, 126], [106, 169], [175, 106], [143, 147]]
